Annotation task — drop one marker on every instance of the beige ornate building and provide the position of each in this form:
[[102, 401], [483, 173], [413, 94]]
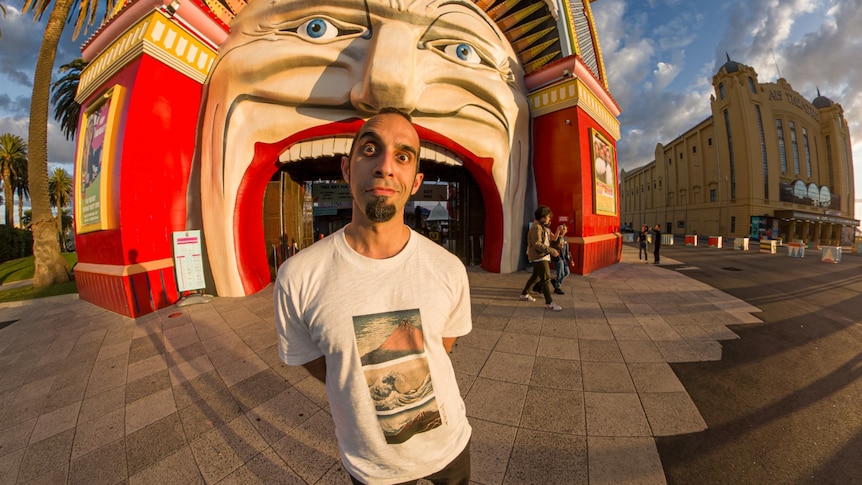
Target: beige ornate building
[[766, 163]]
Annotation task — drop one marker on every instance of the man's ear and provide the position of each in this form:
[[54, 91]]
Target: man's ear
[[417, 182], [345, 168]]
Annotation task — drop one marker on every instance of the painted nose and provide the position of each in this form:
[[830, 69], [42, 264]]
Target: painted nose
[[388, 79]]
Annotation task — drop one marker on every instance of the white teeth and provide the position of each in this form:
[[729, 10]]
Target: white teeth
[[340, 145]]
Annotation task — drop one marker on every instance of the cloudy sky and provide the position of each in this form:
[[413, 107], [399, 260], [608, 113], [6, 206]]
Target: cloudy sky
[[660, 57]]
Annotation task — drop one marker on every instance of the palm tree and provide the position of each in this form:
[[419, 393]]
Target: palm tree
[[50, 266], [2, 9], [13, 149], [60, 195], [20, 183], [66, 109]]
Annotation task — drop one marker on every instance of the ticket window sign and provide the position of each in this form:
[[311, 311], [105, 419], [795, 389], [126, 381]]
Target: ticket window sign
[[188, 260]]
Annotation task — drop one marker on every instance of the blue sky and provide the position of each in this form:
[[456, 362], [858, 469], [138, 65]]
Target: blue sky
[[660, 56]]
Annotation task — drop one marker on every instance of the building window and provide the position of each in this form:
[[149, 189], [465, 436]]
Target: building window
[[795, 147], [751, 85], [721, 90], [680, 224], [732, 223], [731, 160], [709, 141], [693, 149], [712, 195], [680, 156], [807, 152], [763, 154], [782, 152], [847, 185]]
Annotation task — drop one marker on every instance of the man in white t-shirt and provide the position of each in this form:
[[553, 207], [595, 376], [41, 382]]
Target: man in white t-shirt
[[372, 311]]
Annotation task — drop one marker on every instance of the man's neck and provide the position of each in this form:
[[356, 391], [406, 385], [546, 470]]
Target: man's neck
[[377, 240]]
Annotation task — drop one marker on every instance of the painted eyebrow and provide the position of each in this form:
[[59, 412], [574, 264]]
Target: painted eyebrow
[[475, 9]]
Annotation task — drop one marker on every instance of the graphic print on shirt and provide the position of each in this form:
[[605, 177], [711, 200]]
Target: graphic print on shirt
[[392, 353]]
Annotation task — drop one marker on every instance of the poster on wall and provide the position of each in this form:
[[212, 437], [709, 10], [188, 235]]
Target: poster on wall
[[93, 197], [188, 260], [604, 175]]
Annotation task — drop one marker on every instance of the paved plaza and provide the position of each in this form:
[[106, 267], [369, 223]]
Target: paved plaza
[[198, 395]]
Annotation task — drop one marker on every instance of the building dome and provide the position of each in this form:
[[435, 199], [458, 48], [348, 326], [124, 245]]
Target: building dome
[[730, 66], [822, 101]]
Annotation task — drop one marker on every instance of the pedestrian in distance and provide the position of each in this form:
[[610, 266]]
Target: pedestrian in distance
[[656, 243], [539, 252], [642, 244], [562, 260], [379, 337]]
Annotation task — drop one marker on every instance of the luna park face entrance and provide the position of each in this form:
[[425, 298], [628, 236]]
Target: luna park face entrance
[[306, 202]]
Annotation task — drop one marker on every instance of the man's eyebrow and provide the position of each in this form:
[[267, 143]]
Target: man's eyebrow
[[407, 148]]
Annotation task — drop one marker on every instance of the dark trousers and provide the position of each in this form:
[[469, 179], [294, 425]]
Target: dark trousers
[[643, 250], [455, 473], [542, 275], [656, 257]]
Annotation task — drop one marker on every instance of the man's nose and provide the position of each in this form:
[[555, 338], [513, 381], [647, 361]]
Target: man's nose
[[385, 164], [388, 79]]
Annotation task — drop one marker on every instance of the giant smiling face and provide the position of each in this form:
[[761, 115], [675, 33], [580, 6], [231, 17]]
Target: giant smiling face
[[291, 75]]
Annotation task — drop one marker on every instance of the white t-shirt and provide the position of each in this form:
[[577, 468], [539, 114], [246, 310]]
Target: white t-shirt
[[380, 323]]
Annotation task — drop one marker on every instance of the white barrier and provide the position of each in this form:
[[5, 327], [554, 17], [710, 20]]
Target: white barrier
[[831, 254], [741, 243]]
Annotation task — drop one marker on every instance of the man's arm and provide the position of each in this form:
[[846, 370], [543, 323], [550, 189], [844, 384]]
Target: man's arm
[[448, 343], [317, 368]]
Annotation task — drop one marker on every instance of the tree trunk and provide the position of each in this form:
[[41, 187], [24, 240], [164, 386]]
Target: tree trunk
[[21, 212], [50, 266]]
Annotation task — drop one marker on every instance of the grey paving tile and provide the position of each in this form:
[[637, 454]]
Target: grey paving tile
[[187, 353], [671, 413], [677, 351], [203, 415], [55, 422], [310, 449], [224, 449], [277, 416], [629, 332], [490, 322], [654, 377], [258, 388], [184, 371], [314, 390], [496, 401], [560, 328], [517, 343], [641, 464], [594, 331], [198, 388], [145, 367], [662, 332], [96, 433], [541, 457], [606, 377], [106, 465], [147, 446], [242, 368], [101, 404], [148, 410], [558, 348], [16, 437], [554, 410], [266, 467], [600, 351], [44, 456], [178, 467], [60, 397], [178, 337], [508, 367], [707, 350], [147, 385], [490, 448], [557, 373], [9, 465], [480, 338], [615, 414], [527, 325], [469, 361], [291, 373], [640, 351]]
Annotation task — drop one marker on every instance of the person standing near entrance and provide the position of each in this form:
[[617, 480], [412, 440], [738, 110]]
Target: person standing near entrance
[[539, 252], [376, 334], [562, 260], [642, 244], [656, 244]]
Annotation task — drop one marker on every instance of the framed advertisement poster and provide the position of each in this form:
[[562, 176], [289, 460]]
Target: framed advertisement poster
[[94, 163], [604, 175]]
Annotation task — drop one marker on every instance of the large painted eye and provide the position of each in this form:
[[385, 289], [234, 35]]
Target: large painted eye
[[317, 29], [464, 52]]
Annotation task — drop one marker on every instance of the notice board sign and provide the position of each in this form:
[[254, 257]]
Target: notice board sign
[[188, 260]]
